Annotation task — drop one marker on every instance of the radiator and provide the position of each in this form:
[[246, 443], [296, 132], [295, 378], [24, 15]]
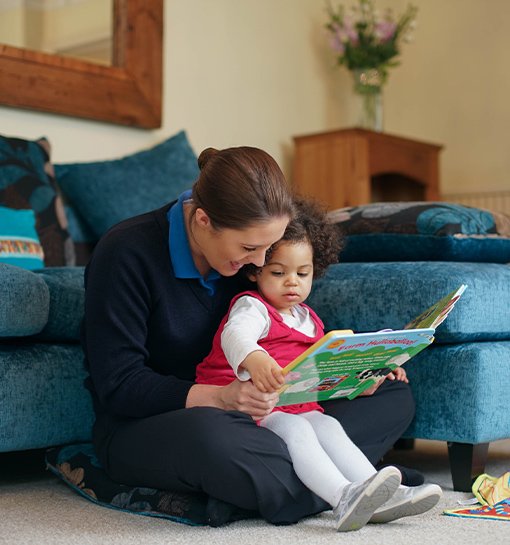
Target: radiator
[[497, 201]]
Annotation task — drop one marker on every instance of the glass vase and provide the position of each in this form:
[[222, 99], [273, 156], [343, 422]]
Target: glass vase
[[368, 85]]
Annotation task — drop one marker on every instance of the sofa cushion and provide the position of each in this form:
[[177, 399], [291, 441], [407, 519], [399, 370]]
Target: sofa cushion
[[373, 296], [27, 181], [460, 392], [43, 400], [106, 192], [24, 304], [19, 243], [67, 303], [423, 231]]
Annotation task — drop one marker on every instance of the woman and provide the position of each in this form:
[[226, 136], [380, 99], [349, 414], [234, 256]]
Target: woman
[[157, 288]]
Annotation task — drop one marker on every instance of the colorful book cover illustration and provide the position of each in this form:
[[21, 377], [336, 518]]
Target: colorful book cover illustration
[[343, 364], [493, 495], [499, 511]]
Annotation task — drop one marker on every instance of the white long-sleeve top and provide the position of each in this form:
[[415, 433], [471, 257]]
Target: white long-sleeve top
[[248, 322]]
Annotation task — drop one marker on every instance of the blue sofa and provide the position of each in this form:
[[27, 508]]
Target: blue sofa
[[459, 383], [42, 398]]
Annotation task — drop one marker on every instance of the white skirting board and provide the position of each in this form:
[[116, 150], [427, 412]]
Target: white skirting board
[[497, 201]]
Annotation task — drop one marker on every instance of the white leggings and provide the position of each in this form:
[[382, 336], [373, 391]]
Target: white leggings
[[323, 456]]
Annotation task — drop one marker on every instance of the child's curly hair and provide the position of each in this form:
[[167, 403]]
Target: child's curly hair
[[310, 224]]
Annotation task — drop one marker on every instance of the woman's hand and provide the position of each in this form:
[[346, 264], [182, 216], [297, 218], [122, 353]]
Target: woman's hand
[[236, 396], [246, 397], [373, 389]]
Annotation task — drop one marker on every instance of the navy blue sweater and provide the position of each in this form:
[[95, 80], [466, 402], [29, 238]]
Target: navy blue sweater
[[145, 331]]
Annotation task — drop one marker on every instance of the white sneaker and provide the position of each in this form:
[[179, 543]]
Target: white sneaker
[[408, 501], [360, 500]]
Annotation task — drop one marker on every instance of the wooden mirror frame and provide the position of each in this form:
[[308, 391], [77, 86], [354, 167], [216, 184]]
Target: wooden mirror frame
[[128, 92]]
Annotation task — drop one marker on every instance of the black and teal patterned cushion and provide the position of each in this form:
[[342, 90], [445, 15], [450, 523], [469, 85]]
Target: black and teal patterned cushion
[[79, 467], [423, 231], [27, 182]]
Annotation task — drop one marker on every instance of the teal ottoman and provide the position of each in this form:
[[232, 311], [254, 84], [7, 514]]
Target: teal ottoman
[[460, 382]]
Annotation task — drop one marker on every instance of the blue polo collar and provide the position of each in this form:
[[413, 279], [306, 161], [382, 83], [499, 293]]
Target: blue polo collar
[[180, 251]]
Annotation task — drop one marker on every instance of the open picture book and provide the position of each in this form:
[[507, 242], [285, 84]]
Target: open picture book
[[345, 364]]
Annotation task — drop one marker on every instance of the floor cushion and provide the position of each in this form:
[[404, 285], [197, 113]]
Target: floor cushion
[[79, 467]]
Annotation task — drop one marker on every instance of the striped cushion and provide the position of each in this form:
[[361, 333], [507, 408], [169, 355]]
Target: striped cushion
[[19, 243]]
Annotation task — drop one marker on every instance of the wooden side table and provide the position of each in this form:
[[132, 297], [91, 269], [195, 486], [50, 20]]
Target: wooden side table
[[349, 167]]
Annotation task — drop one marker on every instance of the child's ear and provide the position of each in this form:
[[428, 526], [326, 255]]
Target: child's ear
[[252, 277]]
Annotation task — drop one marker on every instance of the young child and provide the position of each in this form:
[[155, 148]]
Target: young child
[[265, 330]]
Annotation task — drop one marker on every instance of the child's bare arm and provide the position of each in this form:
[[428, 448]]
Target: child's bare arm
[[264, 371]]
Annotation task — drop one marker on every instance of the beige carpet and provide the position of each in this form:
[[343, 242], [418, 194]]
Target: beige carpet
[[37, 508]]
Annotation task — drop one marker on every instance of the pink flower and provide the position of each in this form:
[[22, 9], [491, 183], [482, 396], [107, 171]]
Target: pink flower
[[337, 44], [385, 30], [342, 35], [350, 30]]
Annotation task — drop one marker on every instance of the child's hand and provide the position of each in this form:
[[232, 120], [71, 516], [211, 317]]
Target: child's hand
[[398, 374], [264, 371]]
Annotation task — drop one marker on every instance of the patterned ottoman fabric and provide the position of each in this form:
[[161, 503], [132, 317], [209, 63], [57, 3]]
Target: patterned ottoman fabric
[[423, 231]]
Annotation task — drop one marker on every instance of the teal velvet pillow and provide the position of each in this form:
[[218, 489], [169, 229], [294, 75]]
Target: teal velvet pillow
[[27, 182], [106, 192], [423, 231], [19, 243]]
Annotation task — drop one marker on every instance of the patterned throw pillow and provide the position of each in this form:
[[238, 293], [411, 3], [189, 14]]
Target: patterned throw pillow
[[19, 243], [27, 182], [423, 231]]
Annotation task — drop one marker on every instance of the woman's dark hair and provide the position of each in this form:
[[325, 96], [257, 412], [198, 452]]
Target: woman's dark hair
[[239, 187], [310, 224]]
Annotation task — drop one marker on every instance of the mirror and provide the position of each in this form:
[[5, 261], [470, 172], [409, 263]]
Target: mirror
[[128, 93], [72, 28]]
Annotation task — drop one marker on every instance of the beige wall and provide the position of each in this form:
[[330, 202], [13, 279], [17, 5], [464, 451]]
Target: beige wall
[[258, 72], [453, 88], [12, 29]]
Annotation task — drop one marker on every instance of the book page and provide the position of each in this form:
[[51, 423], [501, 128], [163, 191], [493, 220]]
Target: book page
[[438, 312], [344, 365]]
